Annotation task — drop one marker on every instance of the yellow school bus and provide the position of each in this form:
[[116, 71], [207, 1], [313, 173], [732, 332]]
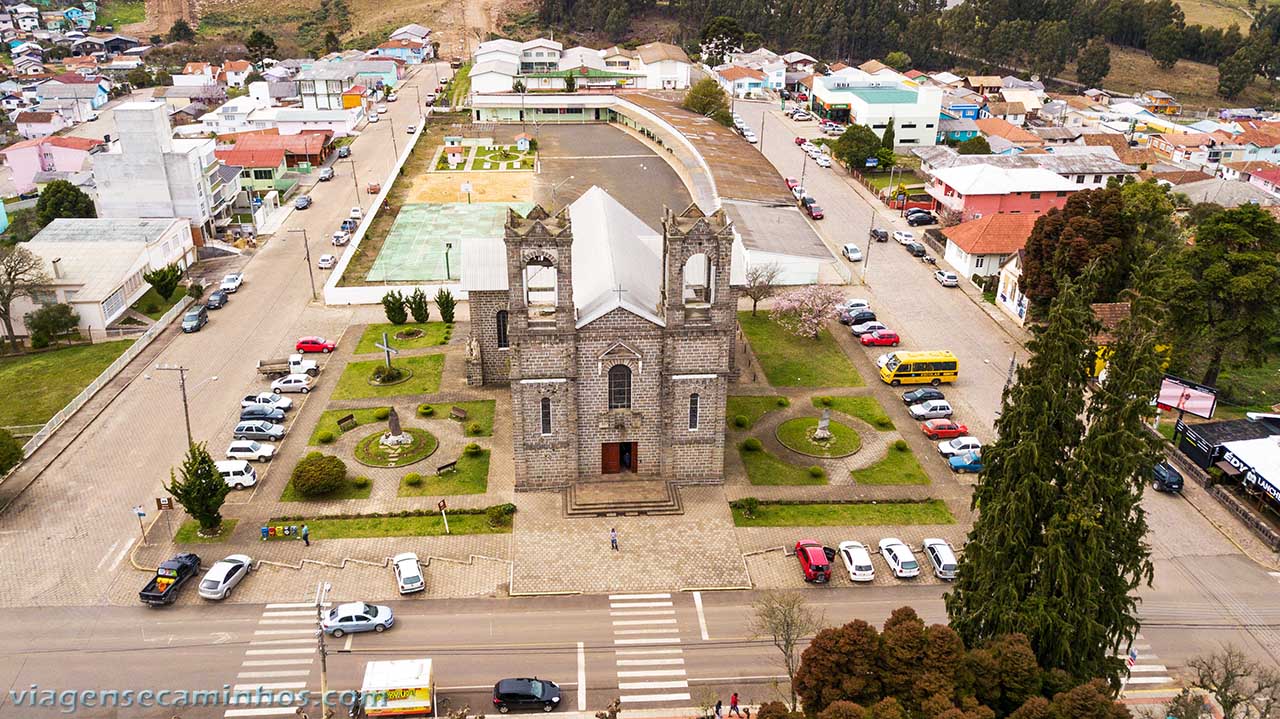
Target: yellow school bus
[[934, 367]]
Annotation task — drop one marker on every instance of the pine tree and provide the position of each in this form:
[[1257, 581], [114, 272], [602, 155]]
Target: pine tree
[[200, 489], [63, 199], [887, 139], [1094, 62]]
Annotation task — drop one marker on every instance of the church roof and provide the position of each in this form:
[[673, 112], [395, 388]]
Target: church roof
[[617, 260]]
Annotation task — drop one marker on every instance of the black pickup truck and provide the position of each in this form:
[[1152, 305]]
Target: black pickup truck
[[170, 576]]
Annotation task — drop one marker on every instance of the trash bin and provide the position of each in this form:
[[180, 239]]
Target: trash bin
[[266, 532]]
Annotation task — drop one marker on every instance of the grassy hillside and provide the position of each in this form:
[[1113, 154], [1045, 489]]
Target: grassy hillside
[[1194, 84], [1216, 13]]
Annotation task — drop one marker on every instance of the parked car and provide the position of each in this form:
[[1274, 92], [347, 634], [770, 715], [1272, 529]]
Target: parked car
[[946, 279], [408, 573], [224, 575], [344, 151], [941, 557], [410, 129], [806, 200], [904, 236], [750, 136], [382, 109], [357, 617], [391, 97], [813, 561], [879, 235], [326, 262], [930, 409], [231, 282], [910, 211], [822, 160], [880, 338], [217, 300], [315, 344], [866, 328], [349, 225], [936, 429], [854, 304], [970, 462], [899, 558], [258, 429], [262, 412], [851, 252], [915, 249], [294, 383], [1164, 478], [814, 211], [373, 118], [797, 192], [193, 320], [301, 202], [356, 213], [951, 447], [340, 238], [857, 317], [237, 473], [924, 394], [326, 174], [921, 218], [802, 116], [271, 399], [792, 183], [525, 693], [250, 451], [172, 573], [858, 561], [801, 140]]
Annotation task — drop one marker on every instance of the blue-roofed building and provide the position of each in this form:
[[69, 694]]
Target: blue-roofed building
[[854, 96]]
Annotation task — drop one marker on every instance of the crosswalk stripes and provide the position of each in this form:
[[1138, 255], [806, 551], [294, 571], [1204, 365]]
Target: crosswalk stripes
[[1145, 673], [647, 671], [277, 664]]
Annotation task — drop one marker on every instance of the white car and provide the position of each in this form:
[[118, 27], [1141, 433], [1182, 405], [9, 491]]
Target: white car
[[373, 118], [294, 383], [249, 450], [851, 253], [854, 304], [391, 97], [802, 116], [270, 399], [326, 262], [382, 109], [224, 575], [237, 473], [952, 447], [356, 213], [410, 129], [408, 573], [750, 136], [797, 191], [822, 160], [867, 328], [899, 558], [941, 557], [808, 147], [930, 409], [946, 279], [232, 282], [904, 237], [883, 359], [340, 238], [858, 561]]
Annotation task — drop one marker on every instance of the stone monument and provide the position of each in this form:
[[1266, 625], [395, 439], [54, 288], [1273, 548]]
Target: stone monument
[[823, 431], [394, 436]]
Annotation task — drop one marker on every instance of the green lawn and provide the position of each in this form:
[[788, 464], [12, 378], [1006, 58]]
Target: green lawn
[[1167, 428], [791, 361], [764, 468], [153, 306], [426, 369], [478, 412], [329, 421], [751, 407], [898, 467], [1255, 389], [796, 434], [471, 477], [365, 527], [932, 511], [867, 409], [37, 385], [432, 335], [188, 533], [348, 490], [121, 12]]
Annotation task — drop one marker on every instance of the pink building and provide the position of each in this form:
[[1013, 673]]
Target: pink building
[[46, 154], [974, 191], [39, 124]]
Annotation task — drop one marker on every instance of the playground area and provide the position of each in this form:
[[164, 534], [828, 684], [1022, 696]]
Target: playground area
[[486, 158], [415, 248]]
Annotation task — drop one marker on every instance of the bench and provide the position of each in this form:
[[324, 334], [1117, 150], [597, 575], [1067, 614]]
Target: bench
[[347, 423], [447, 467], [458, 413]]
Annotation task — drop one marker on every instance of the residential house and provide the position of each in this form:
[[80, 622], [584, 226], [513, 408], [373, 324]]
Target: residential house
[[1242, 170], [1267, 179], [354, 97], [10, 101], [232, 116], [178, 97], [292, 120], [947, 79], [665, 66], [978, 248], [25, 17], [1009, 296], [1014, 113], [28, 65], [377, 73], [53, 20], [305, 148], [507, 51], [235, 73], [1173, 178], [47, 154], [852, 95], [975, 191], [1258, 141], [493, 76], [1126, 153], [117, 44], [741, 81], [87, 46], [78, 17], [32, 123], [121, 65], [322, 86], [966, 106], [540, 55], [261, 170], [412, 32], [620, 59], [83, 64], [799, 62], [86, 95], [1059, 135], [837, 67], [197, 74], [1191, 148], [412, 52], [1158, 102], [188, 115], [1089, 169], [984, 84], [995, 127], [956, 129], [1095, 95], [1031, 100], [1227, 193]]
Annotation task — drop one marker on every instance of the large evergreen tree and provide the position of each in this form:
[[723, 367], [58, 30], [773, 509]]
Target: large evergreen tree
[[1093, 64], [63, 199], [200, 489], [888, 138]]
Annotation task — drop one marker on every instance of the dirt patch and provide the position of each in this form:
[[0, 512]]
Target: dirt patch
[[161, 15], [485, 187]]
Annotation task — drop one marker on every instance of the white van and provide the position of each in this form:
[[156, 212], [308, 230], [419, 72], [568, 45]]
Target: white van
[[237, 473]]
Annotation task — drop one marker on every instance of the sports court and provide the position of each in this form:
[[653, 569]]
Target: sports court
[[414, 250]]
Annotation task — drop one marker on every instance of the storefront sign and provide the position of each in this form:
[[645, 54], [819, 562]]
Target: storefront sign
[[1249, 476]]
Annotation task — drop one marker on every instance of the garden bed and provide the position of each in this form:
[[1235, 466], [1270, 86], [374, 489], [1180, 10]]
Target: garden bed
[[479, 412], [350, 489], [850, 514], [433, 335], [371, 453], [898, 467], [797, 436], [471, 477], [328, 422], [752, 408], [765, 469], [189, 532], [867, 409], [425, 524]]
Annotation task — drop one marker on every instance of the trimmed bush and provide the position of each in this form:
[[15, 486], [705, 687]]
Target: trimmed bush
[[784, 402], [325, 437], [751, 444], [472, 449], [474, 428], [426, 410], [413, 479], [825, 401], [360, 482], [499, 515], [749, 506], [318, 474], [740, 421], [900, 445], [384, 374], [815, 471], [381, 413]]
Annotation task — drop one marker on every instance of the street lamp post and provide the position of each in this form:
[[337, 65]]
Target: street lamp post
[[307, 250], [394, 147], [182, 387], [866, 257], [556, 187], [322, 592], [447, 246]]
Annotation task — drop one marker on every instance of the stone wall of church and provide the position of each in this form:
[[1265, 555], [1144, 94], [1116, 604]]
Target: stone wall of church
[[695, 454], [495, 361], [544, 461]]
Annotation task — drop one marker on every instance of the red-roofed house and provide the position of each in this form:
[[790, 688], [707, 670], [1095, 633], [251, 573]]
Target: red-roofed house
[[995, 127], [236, 72], [979, 247], [740, 81], [46, 154], [310, 146], [914, 74], [39, 124], [1188, 147], [1268, 180], [260, 170]]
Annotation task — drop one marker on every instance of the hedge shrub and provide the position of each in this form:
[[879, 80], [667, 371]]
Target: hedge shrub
[[318, 474], [325, 437], [413, 479], [381, 413], [751, 444], [472, 449]]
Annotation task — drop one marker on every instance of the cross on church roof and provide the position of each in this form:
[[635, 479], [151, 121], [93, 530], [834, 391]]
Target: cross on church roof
[[619, 289]]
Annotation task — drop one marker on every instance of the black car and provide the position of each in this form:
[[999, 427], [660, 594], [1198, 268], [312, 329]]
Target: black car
[[532, 693], [217, 300], [921, 218], [857, 318], [879, 235], [262, 411], [916, 249], [916, 396], [1165, 478], [344, 151]]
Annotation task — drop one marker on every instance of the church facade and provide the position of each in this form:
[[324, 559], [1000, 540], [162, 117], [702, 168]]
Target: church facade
[[616, 340]]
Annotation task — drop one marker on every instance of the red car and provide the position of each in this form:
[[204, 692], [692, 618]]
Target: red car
[[814, 211], [802, 97], [813, 560], [801, 140], [792, 183], [315, 344], [880, 338], [943, 429]]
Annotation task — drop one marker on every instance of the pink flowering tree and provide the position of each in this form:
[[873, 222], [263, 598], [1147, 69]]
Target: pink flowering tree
[[806, 310]]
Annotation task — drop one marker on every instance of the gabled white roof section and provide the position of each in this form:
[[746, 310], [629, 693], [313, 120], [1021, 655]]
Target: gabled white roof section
[[576, 57], [990, 180], [502, 67], [542, 42], [500, 45], [946, 78], [614, 250]]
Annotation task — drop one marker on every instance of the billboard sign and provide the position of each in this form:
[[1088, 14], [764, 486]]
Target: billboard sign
[[1187, 396], [873, 161]]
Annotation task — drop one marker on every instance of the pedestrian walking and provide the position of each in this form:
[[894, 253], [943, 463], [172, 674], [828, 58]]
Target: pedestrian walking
[[306, 535], [733, 705], [613, 538], [719, 709]]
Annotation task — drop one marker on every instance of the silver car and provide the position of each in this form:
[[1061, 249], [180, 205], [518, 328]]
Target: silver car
[[898, 556], [941, 557], [258, 429], [408, 573], [930, 409], [224, 575], [867, 328], [357, 617], [952, 447]]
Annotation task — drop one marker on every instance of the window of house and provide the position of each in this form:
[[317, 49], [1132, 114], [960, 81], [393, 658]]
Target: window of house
[[1062, 193], [978, 261], [546, 415], [501, 321], [262, 174], [1097, 179], [694, 401], [1079, 179], [909, 126], [44, 297], [619, 387]]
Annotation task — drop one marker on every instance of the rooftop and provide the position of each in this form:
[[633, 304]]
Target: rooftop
[[96, 253], [733, 73], [658, 51], [996, 234], [991, 180], [262, 158], [994, 126], [878, 95]]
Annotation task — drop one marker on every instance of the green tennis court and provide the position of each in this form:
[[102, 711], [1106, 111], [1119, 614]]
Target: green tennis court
[[414, 250]]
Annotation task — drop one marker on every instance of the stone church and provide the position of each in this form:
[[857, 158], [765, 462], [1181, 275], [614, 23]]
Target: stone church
[[616, 340]]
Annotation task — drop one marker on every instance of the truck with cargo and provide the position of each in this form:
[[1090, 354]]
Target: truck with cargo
[[169, 577], [293, 364], [400, 687]]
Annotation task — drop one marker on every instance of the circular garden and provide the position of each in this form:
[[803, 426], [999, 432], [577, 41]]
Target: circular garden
[[797, 435], [372, 453]]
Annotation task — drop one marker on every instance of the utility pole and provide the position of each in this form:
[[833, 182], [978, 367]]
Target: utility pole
[[866, 256], [307, 249], [322, 591], [355, 183], [394, 147], [182, 387]]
